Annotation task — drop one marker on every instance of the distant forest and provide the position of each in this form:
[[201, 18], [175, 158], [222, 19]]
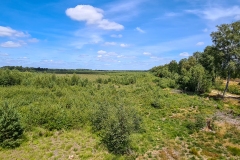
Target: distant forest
[[64, 71]]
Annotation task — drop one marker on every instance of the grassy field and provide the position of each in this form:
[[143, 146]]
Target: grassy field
[[57, 111]]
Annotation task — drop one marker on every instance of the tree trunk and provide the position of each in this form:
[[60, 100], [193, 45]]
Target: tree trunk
[[228, 79]]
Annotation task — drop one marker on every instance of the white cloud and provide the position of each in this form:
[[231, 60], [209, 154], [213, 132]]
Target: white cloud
[[200, 43], [93, 16], [116, 36], [9, 32], [184, 54], [217, 13], [99, 56], [147, 53], [95, 39], [110, 43], [140, 30], [10, 44], [33, 40], [124, 45], [101, 52]]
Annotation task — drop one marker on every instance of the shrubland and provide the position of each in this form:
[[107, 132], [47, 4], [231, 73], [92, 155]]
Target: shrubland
[[167, 113], [122, 116]]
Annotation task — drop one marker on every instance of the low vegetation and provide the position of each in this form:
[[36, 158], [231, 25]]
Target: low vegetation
[[67, 115], [170, 112]]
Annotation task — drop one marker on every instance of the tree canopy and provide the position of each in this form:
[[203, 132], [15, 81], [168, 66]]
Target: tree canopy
[[227, 41], [200, 70]]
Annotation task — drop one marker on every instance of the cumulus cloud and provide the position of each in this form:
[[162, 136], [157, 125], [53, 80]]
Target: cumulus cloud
[[92, 16], [101, 52], [110, 43], [184, 54], [124, 45], [10, 44], [216, 13], [116, 36], [200, 43], [140, 30], [147, 53], [9, 32]]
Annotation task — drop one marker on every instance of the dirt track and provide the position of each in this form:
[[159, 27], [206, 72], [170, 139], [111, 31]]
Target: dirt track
[[227, 95]]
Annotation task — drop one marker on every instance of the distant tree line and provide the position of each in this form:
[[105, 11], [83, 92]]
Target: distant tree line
[[64, 71], [198, 72]]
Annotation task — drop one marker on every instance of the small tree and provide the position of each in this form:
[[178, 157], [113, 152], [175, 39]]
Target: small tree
[[115, 125], [227, 41], [10, 128]]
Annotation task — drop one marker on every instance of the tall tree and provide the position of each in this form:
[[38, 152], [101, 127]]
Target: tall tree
[[173, 66], [211, 59], [227, 40]]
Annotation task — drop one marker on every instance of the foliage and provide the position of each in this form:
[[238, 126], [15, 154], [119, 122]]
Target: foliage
[[51, 118], [9, 78], [188, 75], [11, 129], [115, 124], [199, 72], [77, 118], [226, 40], [234, 150], [125, 111], [195, 125]]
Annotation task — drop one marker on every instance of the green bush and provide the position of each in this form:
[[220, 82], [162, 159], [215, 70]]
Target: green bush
[[234, 89], [196, 125], [74, 79], [200, 122], [115, 124], [156, 103], [235, 151], [9, 78], [99, 80], [11, 130], [49, 117], [116, 137]]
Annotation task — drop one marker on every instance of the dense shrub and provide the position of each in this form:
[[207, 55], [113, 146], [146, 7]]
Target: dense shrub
[[167, 83], [9, 78], [125, 80], [11, 129], [74, 80], [234, 89], [115, 124], [99, 80], [49, 117]]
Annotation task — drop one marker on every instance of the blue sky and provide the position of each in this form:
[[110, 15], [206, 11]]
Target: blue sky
[[116, 34]]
